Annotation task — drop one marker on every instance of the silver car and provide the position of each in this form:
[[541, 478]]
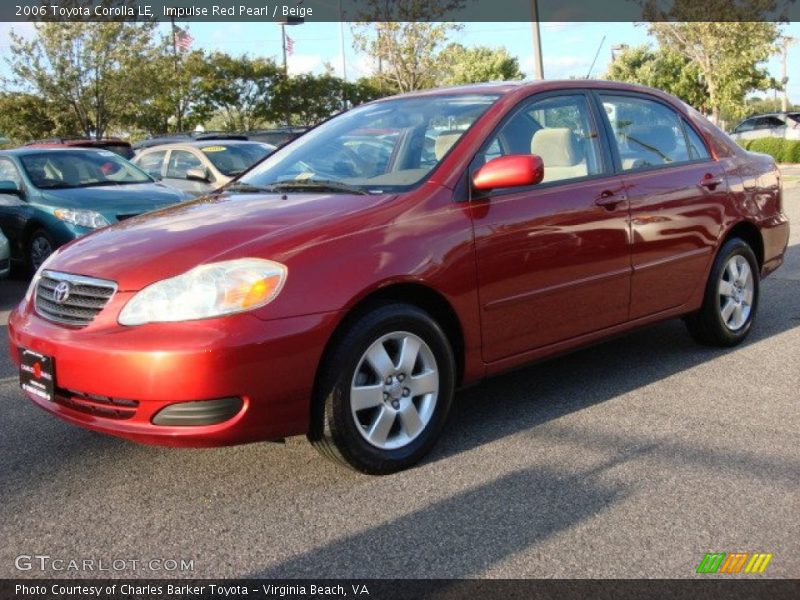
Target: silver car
[[780, 125], [200, 167], [5, 256]]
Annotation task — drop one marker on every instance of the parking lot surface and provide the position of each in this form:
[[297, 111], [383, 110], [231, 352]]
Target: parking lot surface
[[632, 458]]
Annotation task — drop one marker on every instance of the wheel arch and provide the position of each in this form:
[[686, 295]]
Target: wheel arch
[[416, 294], [750, 233]]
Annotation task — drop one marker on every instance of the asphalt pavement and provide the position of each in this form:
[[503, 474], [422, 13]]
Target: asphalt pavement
[[632, 458]]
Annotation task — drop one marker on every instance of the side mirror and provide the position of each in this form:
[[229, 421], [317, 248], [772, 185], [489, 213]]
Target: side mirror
[[513, 170], [10, 187], [197, 175]]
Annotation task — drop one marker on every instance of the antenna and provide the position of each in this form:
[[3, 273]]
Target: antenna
[[596, 54]]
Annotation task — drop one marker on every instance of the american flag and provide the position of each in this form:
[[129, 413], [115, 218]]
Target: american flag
[[183, 39], [289, 45]]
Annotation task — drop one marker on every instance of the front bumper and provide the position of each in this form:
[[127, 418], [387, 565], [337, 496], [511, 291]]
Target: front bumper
[[115, 379]]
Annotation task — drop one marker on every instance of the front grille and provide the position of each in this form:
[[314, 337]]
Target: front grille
[[100, 406], [85, 297]]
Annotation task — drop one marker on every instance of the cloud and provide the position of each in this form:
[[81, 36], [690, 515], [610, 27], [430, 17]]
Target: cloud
[[299, 64], [558, 67]]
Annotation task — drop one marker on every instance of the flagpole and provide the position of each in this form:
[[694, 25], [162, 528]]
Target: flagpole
[[178, 118]]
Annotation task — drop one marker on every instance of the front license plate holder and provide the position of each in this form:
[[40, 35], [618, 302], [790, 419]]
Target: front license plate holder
[[37, 374]]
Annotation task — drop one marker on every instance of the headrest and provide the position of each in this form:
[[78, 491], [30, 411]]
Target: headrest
[[445, 141], [557, 146]]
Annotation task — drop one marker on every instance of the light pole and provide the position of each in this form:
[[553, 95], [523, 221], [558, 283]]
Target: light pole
[[538, 67]]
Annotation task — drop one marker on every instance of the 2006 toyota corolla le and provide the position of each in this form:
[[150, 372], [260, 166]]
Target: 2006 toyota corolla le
[[347, 285]]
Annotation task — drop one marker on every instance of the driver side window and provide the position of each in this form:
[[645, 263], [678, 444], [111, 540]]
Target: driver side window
[[559, 129], [9, 172]]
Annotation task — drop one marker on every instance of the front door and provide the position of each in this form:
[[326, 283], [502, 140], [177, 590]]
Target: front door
[[553, 259]]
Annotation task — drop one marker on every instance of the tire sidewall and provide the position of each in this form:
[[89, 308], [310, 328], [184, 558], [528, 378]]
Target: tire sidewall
[[39, 233], [732, 248], [340, 423]]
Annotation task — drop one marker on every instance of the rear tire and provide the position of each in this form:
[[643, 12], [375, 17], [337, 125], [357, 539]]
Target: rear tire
[[384, 391], [731, 297]]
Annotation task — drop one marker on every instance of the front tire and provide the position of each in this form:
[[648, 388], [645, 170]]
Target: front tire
[[384, 391], [731, 297], [40, 246]]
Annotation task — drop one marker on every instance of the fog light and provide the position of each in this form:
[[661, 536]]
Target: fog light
[[199, 412]]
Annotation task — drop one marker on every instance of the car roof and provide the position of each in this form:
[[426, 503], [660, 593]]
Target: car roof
[[201, 144], [44, 149]]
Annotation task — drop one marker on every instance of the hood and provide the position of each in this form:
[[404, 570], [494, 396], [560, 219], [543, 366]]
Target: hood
[[170, 241], [113, 200]]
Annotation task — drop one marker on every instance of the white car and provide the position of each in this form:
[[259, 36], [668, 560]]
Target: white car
[[779, 125], [200, 167]]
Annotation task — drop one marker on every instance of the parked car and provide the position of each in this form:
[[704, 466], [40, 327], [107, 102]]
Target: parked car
[[278, 137], [328, 295], [188, 136], [780, 125], [49, 197], [5, 256], [115, 145], [201, 167]]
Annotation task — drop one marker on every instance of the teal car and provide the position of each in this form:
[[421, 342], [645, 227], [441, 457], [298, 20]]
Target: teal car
[[51, 196]]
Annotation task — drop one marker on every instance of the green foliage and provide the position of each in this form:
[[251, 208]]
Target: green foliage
[[662, 69], [728, 55], [460, 65], [92, 71], [25, 117], [783, 151], [240, 90]]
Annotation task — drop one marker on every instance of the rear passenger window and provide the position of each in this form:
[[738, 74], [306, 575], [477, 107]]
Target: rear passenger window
[[647, 133], [697, 149], [559, 129]]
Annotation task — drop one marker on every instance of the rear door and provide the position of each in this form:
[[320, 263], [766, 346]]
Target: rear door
[[554, 258], [676, 193]]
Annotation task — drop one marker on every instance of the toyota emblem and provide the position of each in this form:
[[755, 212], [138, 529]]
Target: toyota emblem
[[61, 292]]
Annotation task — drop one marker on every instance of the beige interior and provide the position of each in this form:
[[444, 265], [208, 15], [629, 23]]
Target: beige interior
[[561, 152], [445, 141]]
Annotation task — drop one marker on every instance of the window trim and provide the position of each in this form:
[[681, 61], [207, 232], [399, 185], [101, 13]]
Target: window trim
[[604, 156], [611, 140]]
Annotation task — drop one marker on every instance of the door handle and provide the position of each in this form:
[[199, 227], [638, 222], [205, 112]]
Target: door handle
[[710, 182], [608, 199]]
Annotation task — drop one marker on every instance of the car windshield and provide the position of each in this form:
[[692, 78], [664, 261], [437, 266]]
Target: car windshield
[[234, 159], [388, 146], [59, 169], [795, 117]]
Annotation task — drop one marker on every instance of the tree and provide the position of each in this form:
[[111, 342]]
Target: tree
[[174, 92], [240, 90], [727, 55], [461, 65], [405, 39], [25, 117], [662, 69], [95, 71]]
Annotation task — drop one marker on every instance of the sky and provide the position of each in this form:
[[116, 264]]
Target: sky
[[568, 49]]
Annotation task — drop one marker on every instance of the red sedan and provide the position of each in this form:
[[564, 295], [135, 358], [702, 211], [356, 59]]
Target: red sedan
[[351, 282]]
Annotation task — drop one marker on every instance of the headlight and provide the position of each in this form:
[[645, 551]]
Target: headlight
[[84, 218], [210, 290]]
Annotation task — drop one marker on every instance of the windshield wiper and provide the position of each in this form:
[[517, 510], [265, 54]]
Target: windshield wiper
[[246, 188], [321, 185], [99, 183]]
